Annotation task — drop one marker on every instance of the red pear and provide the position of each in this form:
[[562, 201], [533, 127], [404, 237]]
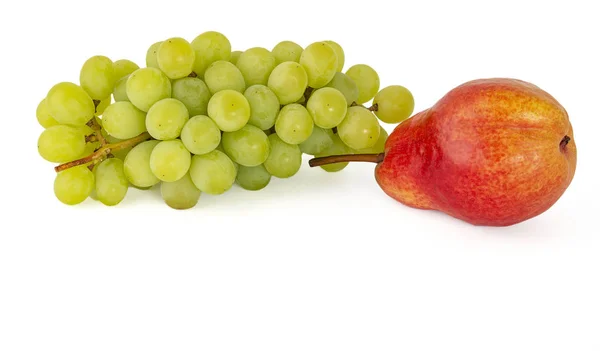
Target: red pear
[[491, 152]]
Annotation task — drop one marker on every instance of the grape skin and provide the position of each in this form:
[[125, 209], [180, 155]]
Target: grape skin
[[367, 81], [43, 115], [287, 51], [123, 120], [223, 75], [284, 160], [181, 194], [248, 146], [61, 143], [394, 103], [264, 106], [339, 52], [288, 81], [151, 59], [175, 57], [320, 62], [97, 77], [213, 173], [327, 106], [210, 46], [229, 109], [194, 94], [68, 103], [72, 186], [146, 86], [253, 178], [111, 183], [200, 135], [123, 68], [359, 129], [256, 64], [166, 118], [170, 160], [137, 165], [319, 141], [294, 124]]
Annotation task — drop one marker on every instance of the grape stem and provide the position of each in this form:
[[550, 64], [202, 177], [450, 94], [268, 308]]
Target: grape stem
[[321, 161], [104, 152], [92, 138], [373, 107], [307, 93], [93, 123]]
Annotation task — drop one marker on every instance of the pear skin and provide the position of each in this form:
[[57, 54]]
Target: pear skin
[[492, 152]]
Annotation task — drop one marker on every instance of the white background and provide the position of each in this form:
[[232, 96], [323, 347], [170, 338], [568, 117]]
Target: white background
[[319, 261]]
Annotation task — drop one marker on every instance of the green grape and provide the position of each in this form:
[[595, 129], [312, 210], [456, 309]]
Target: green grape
[[137, 165], [200, 135], [111, 183], [73, 185], [120, 91], [68, 103], [337, 148], [146, 86], [97, 77], [367, 81], [229, 109], [170, 160], [43, 115], [320, 62], [288, 81], [359, 129], [181, 194], [224, 75], [194, 94], [327, 106], [394, 103], [256, 65], [210, 46], [379, 146], [121, 153], [264, 106], [124, 68], [213, 173], [235, 55], [287, 51], [248, 146], [317, 142], [346, 86], [151, 57], [102, 105], [339, 52], [123, 120], [166, 119], [253, 178], [175, 57], [284, 160], [61, 143], [294, 124]]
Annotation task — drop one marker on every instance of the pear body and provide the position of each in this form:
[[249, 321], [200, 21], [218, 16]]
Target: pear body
[[491, 152]]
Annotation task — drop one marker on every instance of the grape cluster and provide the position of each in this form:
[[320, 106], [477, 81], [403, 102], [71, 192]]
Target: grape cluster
[[199, 117]]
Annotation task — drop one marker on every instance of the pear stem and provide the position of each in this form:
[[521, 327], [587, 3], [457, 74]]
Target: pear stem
[[321, 161]]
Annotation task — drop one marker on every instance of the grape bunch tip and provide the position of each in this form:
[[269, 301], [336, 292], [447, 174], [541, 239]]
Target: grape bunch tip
[[197, 118]]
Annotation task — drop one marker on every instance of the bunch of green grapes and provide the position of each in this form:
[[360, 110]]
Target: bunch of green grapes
[[201, 118]]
